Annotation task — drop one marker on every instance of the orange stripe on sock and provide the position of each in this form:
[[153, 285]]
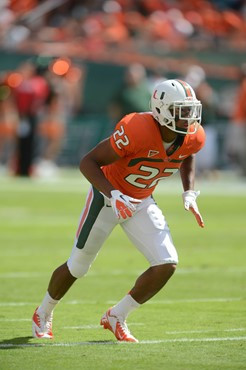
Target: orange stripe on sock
[[85, 213]]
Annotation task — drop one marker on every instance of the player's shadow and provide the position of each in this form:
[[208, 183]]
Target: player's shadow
[[21, 342], [91, 342], [14, 343]]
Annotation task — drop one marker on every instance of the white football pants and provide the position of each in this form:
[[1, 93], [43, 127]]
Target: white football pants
[[147, 229]]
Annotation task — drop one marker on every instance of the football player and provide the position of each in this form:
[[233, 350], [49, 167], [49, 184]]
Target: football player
[[124, 170]]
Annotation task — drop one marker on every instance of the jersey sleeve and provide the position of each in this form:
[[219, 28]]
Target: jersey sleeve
[[123, 138]]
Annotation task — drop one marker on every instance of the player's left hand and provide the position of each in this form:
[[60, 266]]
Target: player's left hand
[[189, 199]]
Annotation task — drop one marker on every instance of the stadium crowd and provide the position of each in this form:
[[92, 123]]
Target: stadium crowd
[[90, 27], [110, 30]]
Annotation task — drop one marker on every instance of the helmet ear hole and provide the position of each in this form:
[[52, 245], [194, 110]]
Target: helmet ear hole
[[171, 110], [158, 110]]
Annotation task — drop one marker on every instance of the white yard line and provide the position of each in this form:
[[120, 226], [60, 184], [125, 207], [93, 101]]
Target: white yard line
[[223, 339], [71, 181], [195, 300], [15, 304], [18, 304], [14, 320], [78, 344], [119, 272], [94, 326], [21, 275], [82, 327], [166, 332], [174, 301], [98, 326], [204, 331]]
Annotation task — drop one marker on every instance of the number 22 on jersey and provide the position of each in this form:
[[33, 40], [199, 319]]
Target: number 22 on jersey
[[148, 173], [120, 137]]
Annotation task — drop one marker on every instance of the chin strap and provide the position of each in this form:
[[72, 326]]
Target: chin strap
[[176, 145]]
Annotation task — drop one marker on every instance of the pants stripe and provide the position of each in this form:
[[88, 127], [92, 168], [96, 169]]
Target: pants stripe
[[85, 212], [94, 204]]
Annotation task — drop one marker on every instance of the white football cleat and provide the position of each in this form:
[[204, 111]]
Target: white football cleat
[[118, 327], [42, 325]]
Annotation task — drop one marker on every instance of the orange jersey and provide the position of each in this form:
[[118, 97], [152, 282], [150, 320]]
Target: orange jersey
[[143, 160]]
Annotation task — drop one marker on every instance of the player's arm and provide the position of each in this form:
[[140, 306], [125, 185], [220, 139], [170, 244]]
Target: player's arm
[[187, 173], [91, 163], [90, 166]]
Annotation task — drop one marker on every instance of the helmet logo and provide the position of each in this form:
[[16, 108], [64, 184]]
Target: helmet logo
[[154, 95]]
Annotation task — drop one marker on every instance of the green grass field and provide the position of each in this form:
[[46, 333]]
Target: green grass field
[[198, 321]]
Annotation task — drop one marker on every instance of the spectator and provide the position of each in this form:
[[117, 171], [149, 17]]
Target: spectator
[[134, 96], [207, 158], [169, 25], [8, 125], [236, 143], [30, 93], [66, 82]]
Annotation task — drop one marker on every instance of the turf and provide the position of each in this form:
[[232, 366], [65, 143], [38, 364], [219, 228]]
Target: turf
[[197, 322]]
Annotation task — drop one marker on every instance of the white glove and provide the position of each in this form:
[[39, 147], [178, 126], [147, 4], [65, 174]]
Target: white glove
[[189, 199], [122, 204]]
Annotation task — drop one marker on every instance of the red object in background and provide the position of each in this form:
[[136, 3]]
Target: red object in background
[[31, 94], [22, 6]]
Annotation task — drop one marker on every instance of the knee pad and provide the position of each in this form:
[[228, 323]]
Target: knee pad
[[79, 262]]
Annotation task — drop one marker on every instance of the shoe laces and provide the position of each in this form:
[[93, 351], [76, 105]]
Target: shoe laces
[[45, 321], [123, 326], [48, 323]]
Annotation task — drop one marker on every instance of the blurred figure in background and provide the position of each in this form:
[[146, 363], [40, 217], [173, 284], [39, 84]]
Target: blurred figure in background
[[8, 125], [66, 83], [51, 131], [37, 100], [206, 160], [155, 76], [236, 138], [134, 96], [30, 93]]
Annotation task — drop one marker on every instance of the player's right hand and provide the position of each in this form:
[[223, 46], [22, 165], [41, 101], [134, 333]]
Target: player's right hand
[[123, 205]]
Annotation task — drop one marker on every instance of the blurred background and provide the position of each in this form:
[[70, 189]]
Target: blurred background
[[69, 70]]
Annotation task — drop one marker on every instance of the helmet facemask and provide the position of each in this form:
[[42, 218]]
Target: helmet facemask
[[185, 116]]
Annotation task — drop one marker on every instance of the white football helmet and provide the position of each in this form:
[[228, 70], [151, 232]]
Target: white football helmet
[[174, 105]]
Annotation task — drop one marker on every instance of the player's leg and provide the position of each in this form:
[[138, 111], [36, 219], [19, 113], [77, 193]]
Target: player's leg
[[151, 281], [96, 223], [148, 230]]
